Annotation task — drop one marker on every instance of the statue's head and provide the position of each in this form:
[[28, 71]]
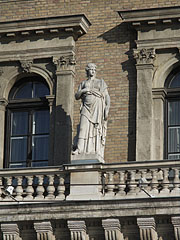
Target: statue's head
[[90, 69]]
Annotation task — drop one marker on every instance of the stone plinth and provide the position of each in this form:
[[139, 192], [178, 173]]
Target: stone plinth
[[86, 158]]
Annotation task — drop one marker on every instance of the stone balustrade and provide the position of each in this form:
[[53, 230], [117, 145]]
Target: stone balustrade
[[32, 184], [109, 181]]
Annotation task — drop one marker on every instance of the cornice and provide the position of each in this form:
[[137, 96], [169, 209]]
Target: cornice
[[76, 25], [152, 16]]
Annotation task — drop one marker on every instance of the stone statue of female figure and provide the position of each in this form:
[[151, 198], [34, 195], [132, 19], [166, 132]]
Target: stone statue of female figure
[[94, 112]]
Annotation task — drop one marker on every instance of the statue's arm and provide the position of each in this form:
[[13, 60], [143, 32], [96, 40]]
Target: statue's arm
[[107, 104], [80, 91]]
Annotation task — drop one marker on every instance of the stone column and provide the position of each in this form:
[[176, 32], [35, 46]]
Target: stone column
[[44, 231], [78, 230], [3, 104], [176, 224], [65, 70], [147, 228], [10, 231], [145, 70], [112, 229]]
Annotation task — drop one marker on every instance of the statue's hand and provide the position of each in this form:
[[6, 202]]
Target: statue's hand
[[85, 90]]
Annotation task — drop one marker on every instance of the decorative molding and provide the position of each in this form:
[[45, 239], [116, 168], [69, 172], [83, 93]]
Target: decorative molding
[[144, 56], [151, 16], [74, 24], [78, 230], [44, 230], [112, 229], [147, 228], [10, 231], [26, 65]]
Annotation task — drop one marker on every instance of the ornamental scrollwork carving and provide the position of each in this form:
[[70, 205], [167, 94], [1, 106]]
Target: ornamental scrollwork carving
[[26, 65], [144, 56], [64, 62]]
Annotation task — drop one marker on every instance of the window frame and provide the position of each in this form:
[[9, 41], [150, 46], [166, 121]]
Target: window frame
[[28, 105]]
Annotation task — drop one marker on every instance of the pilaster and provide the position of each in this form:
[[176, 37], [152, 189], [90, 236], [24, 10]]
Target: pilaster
[[145, 69], [10, 231], [147, 227], [112, 229], [176, 224], [44, 231], [3, 104], [65, 72], [78, 230]]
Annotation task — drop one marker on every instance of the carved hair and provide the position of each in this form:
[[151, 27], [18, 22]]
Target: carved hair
[[89, 66]]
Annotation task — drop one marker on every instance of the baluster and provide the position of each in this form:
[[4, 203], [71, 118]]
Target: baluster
[[61, 188], [50, 188], [40, 188], [110, 184], [29, 188], [19, 189], [154, 183], [165, 183], [121, 185], [1, 186], [8, 183], [132, 185], [176, 189]]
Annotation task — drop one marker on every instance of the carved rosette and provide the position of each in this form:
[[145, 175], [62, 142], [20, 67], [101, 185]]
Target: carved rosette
[[26, 65], [64, 62], [144, 56]]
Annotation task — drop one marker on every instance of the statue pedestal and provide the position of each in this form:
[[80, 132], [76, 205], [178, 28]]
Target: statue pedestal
[[86, 158], [85, 185]]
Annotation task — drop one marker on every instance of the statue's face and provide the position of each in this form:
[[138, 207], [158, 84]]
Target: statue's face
[[91, 72]]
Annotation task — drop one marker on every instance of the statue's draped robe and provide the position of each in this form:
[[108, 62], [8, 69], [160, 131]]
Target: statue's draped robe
[[93, 128]]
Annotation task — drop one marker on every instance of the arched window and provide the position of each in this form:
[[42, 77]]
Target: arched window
[[173, 115], [27, 131]]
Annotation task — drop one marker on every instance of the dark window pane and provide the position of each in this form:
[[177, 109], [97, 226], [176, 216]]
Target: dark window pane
[[40, 147], [19, 123], [174, 113], [41, 122], [40, 90], [40, 164], [24, 91], [174, 139], [174, 156], [18, 149], [175, 82]]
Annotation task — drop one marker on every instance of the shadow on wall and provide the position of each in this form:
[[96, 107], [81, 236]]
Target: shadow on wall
[[122, 34], [63, 137]]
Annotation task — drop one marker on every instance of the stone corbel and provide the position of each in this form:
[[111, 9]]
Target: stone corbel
[[144, 56], [50, 99], [10, 231], [112, 227], [26, 65], [147, 228], [78, 230], [44, 230], [64, 62], [176, 224]]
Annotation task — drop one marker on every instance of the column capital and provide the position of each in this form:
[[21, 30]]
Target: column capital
[[176, 224], [64, 62], [144, 56], [3, 104]]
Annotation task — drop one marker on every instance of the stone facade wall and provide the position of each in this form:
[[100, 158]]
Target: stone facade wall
[[108, 44]]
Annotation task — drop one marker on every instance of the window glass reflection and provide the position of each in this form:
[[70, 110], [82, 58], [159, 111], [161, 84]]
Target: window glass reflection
[[41, 122], [19, 123], [40, 147], [18, 149]]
